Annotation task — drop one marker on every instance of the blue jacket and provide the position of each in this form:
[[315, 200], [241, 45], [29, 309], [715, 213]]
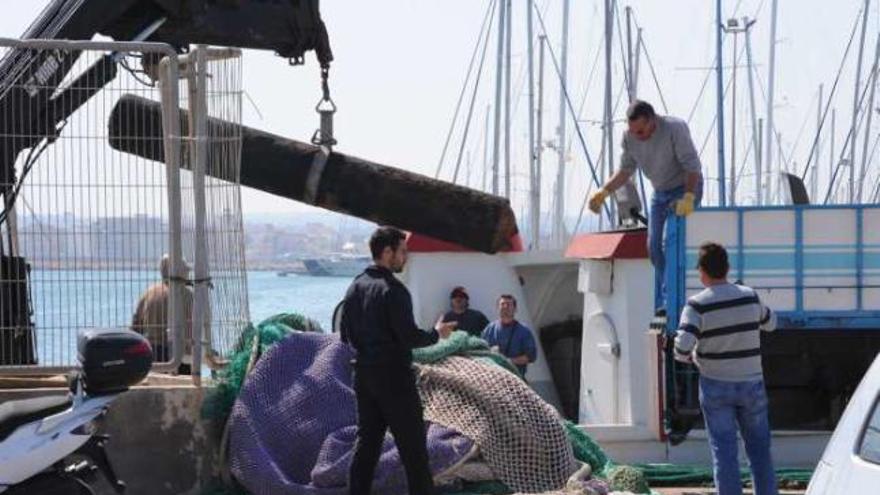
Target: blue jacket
[[513, 340]]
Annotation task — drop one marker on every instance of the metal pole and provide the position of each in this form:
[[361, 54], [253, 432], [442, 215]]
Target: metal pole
[[630, 87], [814, 172], [771, 78], [507, 37], [486, 147], [608, 128], [198, 134], [870, 109], [758, 148], [534, 212], [733, 124], [719, 77], [539, 134], [756, 134], [831, 158], [499, 76], [635, 78], [855, 111], [559, 219], [168, 69]]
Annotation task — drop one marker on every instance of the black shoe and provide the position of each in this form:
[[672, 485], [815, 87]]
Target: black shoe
[[660, 313]]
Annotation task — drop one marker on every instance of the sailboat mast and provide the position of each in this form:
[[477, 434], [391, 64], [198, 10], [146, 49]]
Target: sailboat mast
[[534, 211], [558, 218], [872, 80], [771, 78], [608, 128], [719, 79], [507, 57], [539, 134], [733, 123], [486, 146], [814, 172], [855, 111], [499, 75], [630, 85], [756, 147], [831, 157]]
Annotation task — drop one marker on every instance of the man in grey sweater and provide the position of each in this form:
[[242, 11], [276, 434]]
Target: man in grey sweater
[[661, 146], [720, 331]]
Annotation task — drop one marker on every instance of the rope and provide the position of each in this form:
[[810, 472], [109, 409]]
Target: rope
[[831, 96], [577, 126], [489, 11], [467, 125]]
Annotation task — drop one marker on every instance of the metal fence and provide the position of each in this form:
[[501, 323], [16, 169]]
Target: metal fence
[[88, 230]]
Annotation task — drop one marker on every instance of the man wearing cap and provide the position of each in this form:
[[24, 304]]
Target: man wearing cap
[[469, 320], [661, 146]]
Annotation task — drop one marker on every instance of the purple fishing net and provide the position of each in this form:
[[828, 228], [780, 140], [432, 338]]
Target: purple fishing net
[[293, 426]]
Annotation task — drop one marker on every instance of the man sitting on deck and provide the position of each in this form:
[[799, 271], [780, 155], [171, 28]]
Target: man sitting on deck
[[661, 146], [469, 320], [721, 326], [512, 338], [150, 317]]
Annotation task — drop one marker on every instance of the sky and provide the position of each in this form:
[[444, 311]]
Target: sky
[[400, 65]]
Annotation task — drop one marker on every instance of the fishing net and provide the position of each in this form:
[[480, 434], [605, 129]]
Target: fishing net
[[519, 436], [492, 434], [293, 427]]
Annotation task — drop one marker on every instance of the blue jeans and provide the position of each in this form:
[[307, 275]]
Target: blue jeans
[[725, 406], [662, 205]]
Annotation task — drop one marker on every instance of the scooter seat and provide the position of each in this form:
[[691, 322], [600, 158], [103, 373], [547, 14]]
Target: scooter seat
[[15, 413]]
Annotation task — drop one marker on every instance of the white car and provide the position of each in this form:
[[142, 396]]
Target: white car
[[851, 461]]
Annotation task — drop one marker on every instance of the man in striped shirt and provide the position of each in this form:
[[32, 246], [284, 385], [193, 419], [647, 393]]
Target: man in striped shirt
[[720, 332]]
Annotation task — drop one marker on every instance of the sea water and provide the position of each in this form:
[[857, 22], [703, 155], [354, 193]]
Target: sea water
[[64, 301]]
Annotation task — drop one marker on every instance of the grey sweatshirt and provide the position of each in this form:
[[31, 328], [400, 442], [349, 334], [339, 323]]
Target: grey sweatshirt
[[721, 326], [665, 157]]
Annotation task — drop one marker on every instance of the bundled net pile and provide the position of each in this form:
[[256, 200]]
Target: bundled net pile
[[293, 424], [520, 437], [292, 428]]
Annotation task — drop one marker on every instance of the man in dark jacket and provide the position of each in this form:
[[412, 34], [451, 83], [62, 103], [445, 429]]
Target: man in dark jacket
[[469, 320], [377, 320]]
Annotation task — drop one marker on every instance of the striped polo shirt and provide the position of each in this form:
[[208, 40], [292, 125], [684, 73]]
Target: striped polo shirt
[[719, 331]]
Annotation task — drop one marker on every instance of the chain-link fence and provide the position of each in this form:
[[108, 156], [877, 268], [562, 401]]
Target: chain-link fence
[[93, 237]]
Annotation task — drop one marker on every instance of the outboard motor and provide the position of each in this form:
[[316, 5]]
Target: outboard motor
[[50, 445]]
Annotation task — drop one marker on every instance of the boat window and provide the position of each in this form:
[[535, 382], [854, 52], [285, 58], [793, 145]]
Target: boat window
[[869, 446]]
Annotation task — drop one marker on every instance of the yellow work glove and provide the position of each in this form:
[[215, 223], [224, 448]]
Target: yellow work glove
[[685, 205], [597, 199]]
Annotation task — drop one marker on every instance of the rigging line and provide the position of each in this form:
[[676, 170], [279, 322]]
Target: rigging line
[[711, 130], [849, 141], [831, 94], [786, 159], [800, 133], [467, 124], [871, 160], [523, 72], [622, 50], [654, 75], [715, 61], [877, 192], [573, 116], [589, 82], [601, 159], [489, 10]]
